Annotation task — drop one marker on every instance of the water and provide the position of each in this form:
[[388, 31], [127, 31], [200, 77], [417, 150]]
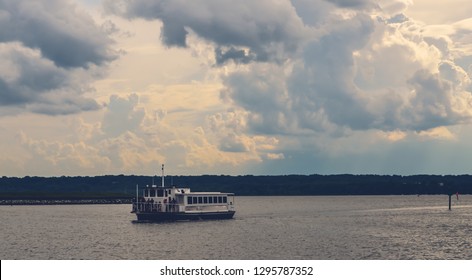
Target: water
[[345, 227]]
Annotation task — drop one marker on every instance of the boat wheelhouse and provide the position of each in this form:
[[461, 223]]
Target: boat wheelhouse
[[160, 203]]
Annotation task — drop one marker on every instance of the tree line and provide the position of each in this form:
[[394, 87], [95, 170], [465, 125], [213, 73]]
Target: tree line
[[123, 186]]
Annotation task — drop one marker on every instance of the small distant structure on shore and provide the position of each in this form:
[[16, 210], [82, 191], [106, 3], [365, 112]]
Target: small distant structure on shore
[[450, 193]]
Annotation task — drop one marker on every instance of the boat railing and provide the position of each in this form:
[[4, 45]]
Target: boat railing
[[155, 207], [151, 206]]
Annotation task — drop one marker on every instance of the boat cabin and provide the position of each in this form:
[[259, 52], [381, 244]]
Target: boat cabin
[[182, 200]]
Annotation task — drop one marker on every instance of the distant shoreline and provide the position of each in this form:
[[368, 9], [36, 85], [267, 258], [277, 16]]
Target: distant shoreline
[[104, 201], [63, 201], [109, 187]]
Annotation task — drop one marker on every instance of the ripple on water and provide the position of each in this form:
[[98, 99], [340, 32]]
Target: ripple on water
[[393, 227]]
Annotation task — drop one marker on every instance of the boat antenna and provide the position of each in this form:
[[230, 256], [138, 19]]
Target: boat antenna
[[163, 175]]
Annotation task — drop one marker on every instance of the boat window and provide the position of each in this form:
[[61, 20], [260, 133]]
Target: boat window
[[210, 199], [225, 199], [189, 200], [215, 199], [146, 192], [205, 199], [220, 199], [160, 193], [200, 199], [195, 201], [152, 193]]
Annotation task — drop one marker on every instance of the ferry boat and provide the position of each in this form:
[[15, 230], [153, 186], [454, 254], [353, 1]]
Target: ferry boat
[[161, 203]]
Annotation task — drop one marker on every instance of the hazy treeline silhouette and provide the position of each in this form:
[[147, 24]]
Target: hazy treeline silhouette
[[125, 185]]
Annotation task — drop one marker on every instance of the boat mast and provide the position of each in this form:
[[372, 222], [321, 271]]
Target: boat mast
[[163, 175]]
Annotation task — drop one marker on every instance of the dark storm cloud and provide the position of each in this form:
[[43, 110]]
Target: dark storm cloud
[[49, 51], [316, 93], [432, 101], [64, 106], [62, 33], [326, 74], [237, 55], [29, 75], [269, 29], [362, 4]]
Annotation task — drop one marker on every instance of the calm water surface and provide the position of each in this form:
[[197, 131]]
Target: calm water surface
[[343, 227]]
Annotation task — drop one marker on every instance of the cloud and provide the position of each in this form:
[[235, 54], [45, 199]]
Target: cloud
[[50, 52], [234, 143], [352, 3], [24, 73], [305, 86], [261, 91], [361, 73], [359, 65], [335, 82], [62, 33], [36, 84], [242, 31], [237, 55], [122, 115], [438, 133], [62, 157]]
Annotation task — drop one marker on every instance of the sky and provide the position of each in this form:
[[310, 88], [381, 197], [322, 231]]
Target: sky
[[91, 87]]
